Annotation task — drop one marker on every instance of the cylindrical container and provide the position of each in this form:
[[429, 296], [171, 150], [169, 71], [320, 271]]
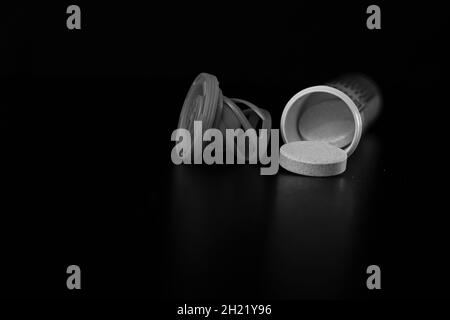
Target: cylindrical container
[[337, 112]]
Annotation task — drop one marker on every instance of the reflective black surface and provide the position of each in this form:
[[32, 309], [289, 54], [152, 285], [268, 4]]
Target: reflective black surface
[[283, 236]]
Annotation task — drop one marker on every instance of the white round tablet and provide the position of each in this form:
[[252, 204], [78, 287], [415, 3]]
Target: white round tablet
[[313, 158]]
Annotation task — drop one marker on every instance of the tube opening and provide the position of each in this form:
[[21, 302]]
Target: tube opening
[[320, 116]]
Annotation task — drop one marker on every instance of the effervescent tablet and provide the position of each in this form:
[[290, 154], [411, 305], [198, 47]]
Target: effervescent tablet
[[313, 158]]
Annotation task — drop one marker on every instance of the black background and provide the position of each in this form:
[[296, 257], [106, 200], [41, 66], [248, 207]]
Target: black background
[[86, 119]]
